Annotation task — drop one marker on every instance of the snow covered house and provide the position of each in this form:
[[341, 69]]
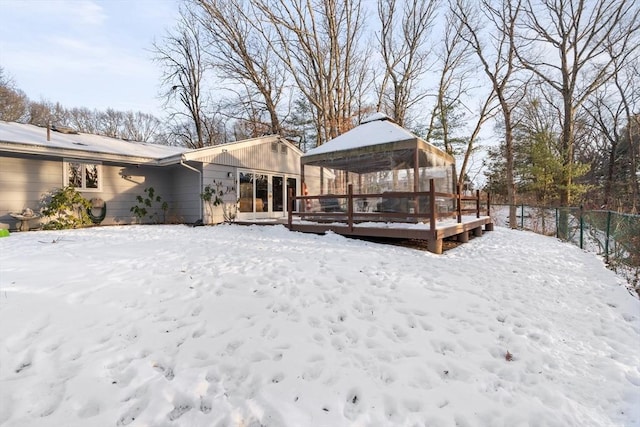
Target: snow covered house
[[254, 175]]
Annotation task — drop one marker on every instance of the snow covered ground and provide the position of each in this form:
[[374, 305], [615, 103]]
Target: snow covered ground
[[249, 326]]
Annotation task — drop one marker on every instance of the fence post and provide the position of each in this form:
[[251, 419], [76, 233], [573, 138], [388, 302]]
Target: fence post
[[522, 216], [581, 229], [488, 204], [477, 203], [557, 229], [606, 242]]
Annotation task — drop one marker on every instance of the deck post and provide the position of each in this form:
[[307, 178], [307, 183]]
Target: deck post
[[290, 202], [434, 245], [488, 204], [477, 203], [477, 232], [350, 207], [459, 202], [432, 208]]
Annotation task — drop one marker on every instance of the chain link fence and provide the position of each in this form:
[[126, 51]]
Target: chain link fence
[[614, 236]]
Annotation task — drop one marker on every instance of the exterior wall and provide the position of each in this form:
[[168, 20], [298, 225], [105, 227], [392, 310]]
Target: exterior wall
[[24, 182], [122, 184], [185, 186], [259, 157], [220, 174]]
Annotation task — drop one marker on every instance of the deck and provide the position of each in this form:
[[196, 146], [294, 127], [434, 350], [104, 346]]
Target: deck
[[430, 216]]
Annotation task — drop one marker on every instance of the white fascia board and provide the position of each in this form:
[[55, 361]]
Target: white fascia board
[[17, 148]]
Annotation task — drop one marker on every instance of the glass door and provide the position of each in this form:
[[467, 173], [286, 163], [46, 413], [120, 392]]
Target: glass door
[[263, 195]]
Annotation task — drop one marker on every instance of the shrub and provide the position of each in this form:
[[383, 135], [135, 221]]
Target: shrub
[[148, 205], [65, 208]]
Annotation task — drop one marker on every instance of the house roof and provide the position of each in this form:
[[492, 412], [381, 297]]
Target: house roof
[[30, 139], [376, 144]]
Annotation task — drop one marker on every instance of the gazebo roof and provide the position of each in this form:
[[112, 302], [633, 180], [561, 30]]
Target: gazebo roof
[[372, 146]]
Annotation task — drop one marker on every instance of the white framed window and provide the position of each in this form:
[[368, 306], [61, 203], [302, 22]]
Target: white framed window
[[83, 175]]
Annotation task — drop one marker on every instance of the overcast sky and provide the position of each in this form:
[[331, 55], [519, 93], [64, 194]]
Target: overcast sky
[[86, 53]]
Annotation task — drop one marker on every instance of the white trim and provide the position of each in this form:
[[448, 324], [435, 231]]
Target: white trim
[[83, 188]]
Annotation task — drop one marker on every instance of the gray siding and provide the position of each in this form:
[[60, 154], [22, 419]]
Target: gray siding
[[23, 182], [120, 187], [184, 206], [219, 174], [260, 157]]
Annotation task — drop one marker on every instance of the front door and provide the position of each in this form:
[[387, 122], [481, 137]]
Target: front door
[[263, 195]]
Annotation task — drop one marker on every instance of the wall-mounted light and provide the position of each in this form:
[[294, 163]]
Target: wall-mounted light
[[229, 174]]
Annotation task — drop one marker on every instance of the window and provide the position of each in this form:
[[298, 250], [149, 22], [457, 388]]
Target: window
[[81, 175], [284, 149]]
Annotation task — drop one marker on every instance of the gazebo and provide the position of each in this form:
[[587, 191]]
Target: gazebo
[[378, 156], [380, 180]]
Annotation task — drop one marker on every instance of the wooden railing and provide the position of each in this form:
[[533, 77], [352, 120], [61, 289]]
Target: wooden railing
[[412, 206]]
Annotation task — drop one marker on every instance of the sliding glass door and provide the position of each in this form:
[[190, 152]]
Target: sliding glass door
[[263, 195]]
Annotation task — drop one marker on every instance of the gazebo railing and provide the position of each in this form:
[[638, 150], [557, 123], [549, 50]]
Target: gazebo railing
[[396, 206]]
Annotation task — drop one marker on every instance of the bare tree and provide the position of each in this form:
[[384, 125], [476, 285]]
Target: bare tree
[[44, 113], [181, 55], [587, 37], [318, 42], [111, 123], [496, 21], [404, 53], [454, 69], [13, 101], [240, 50], [84, 120], [140, 127]]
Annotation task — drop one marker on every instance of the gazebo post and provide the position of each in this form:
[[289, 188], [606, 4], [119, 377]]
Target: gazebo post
[[416, 179], [290, 202], [303, 185], [459, 202], [350, 207], [321, 180]]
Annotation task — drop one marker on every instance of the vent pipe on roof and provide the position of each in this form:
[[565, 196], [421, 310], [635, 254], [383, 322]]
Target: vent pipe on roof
[[48, 131]]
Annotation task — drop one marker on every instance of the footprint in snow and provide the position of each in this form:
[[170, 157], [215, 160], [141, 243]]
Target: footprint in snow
[[179, 411], [353, 404], [133, 412]]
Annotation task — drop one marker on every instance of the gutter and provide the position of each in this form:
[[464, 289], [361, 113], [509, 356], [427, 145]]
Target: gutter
[[182, 163]]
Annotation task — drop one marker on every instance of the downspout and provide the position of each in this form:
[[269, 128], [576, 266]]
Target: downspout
[[200, 175]]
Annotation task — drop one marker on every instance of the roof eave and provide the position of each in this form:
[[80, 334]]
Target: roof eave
[[18, 148]]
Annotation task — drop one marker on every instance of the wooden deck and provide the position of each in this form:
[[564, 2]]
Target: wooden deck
[[462, 231], [430, 216]]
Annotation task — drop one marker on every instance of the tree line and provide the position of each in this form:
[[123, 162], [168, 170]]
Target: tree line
[[15, 106], [555, 82], [548, 88]]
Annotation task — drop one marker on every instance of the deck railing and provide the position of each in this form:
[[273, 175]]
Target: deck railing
[[396, 206]]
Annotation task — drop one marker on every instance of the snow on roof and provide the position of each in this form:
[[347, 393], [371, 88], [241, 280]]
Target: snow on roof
[[374, 130], [37, 137], [376, 116]]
